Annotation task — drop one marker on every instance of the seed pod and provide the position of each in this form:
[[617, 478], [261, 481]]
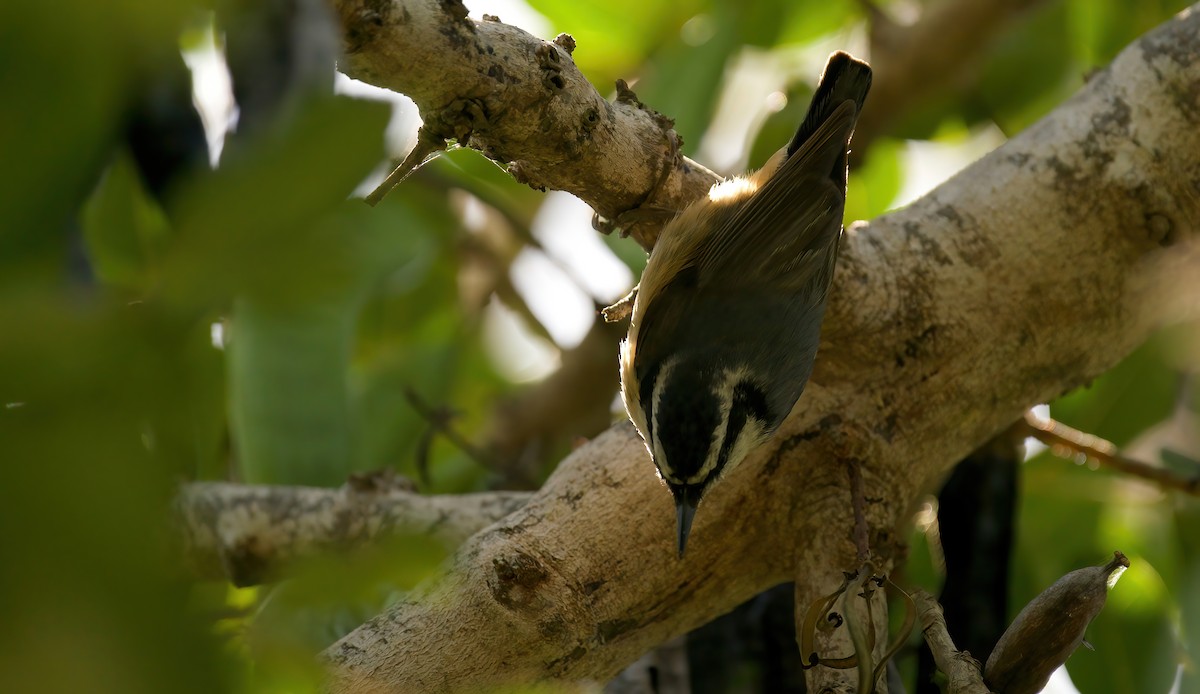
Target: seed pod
[[1050, 628]]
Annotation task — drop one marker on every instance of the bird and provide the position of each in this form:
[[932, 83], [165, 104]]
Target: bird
[[728, 312]]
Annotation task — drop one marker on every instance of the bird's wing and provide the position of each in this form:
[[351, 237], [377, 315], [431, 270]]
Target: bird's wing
[[776, 247], [792, 220], [722, 303]]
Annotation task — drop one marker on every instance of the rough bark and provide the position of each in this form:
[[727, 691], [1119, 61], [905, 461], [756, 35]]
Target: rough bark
[[523, 103], [961, 669], [1021, 278]]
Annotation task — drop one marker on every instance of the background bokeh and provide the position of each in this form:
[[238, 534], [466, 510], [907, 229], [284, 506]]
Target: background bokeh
[[162, 320]]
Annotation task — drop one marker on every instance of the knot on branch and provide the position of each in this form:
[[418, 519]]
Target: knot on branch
[[458, 120], [1161, 230], [522, 172], [515, 580], [456, 9], [362, 23], [642, 211], [566, 42], [550, 63]]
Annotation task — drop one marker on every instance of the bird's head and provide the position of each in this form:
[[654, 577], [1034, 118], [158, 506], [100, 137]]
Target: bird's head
[[702, 417]]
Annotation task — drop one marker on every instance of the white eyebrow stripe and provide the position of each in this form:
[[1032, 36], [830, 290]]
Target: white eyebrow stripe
[[723, 390]]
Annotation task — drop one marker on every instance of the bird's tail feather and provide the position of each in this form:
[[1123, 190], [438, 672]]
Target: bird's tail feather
[[846, 78]]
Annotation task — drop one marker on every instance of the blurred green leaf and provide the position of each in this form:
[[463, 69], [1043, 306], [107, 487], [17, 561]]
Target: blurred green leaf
[[329, 596], [1125, 401], [615, 37], [1186, 588], [810, 20], [125, 230], [684, 81], [78, 385], [1027, 72], [1100, 30], [251, 226], [873, 187], [780, 127], [289, 400], [486, 180]]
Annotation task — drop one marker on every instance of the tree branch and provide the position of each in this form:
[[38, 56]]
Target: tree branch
[[523, 103], [1059, 436], [248, 533], [962, 670], [948, 319]]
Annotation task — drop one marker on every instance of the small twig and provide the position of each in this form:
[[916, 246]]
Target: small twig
[[439, 419], [427, 146], [622, 309], [1059, 436], [960, 668], [862, 540]]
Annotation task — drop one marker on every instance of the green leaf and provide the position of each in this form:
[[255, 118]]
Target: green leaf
[[125, 230], [1186, 516], [250, 226], [289, 400], [873, 187], [684, 81], [614, 37], [1101, 30], [803, 22], [329, 596], [1027, 72], [1126, 400]]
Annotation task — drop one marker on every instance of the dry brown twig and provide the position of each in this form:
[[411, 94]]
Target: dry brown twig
[[1066, 442]]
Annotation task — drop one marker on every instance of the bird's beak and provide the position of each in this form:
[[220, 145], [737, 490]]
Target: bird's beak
[[686, 499]]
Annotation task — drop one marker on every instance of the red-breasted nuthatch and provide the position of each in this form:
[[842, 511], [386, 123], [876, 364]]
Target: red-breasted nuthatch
[[728, 313]]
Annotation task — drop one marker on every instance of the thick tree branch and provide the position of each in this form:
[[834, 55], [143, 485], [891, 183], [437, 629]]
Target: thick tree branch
[[522, 102], [248, 533], [1032, 271]]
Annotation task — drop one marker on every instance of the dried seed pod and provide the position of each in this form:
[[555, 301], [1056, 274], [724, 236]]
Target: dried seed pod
[[1050, 628]]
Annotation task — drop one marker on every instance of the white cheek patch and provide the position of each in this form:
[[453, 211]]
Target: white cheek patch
[[747, 439]]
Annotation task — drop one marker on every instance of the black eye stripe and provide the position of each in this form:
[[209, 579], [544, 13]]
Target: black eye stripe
[[749, 402], [753, 400]]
